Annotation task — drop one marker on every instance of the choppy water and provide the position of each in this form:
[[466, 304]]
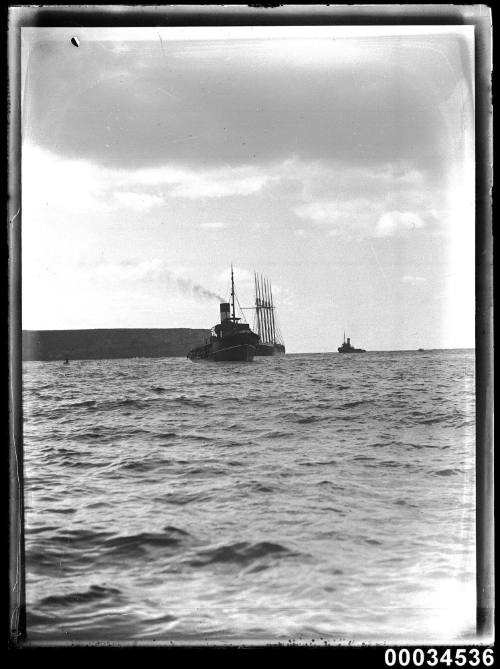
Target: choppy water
[[326, 497]]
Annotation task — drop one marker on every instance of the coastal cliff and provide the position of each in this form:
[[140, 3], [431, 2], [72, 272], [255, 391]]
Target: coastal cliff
[[109, 343]]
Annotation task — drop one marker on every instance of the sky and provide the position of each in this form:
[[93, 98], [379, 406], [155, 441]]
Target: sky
[[337, 162]]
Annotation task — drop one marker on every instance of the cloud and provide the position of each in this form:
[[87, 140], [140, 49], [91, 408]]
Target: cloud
[[358, 202], [321, 212], [413, 280], [213, 225], [395, 222], [221, 102], [217, 184], [138, 201], [351, 219], [381, 201], [195, 182], [49, 179], [360, 218], [372, 201]]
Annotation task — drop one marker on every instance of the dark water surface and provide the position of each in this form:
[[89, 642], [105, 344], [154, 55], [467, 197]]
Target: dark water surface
[[323, 496]]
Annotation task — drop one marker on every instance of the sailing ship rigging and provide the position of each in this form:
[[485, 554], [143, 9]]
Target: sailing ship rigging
[[271, 340]]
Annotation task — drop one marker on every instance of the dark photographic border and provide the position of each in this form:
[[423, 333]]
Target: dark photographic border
[[130, 15]]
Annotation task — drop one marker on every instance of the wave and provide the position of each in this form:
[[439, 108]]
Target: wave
[[205, 472], [181, 499], [144, 466], [136, 545], [277, 434], [305, 420], [200, 539], [318, 462], [93, 594], [241, 554], [355, 403], [330, 484], [259, 486]]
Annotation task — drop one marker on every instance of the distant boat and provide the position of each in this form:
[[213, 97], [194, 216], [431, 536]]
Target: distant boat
[[229, 340], [66, 362], [348, 348], [271, 341], [421, 349]]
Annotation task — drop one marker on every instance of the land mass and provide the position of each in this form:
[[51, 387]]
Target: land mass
[[104, 344]]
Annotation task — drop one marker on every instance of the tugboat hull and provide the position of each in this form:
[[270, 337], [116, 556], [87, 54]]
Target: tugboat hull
[[237, 353], [241, 353]]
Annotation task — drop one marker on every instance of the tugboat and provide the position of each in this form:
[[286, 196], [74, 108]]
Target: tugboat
[[229, 340], [348, 348], [271, 341]]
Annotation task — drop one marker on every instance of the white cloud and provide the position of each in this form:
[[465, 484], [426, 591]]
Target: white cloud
[[351, 219], [213, 225], [394, 222], [413, 280], [203, 183], [138, 201], [51, 181], [358, 202], [320, 212], [79, 185], [352, 201], [199, 185]]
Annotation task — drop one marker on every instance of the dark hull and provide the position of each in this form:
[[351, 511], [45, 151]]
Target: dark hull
[[270, 349], [351, 350], [237, 353]]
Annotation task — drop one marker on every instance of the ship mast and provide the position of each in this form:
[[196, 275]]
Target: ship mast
[[232, 293], [262, 312], [269, 313], [257, 309], [272, 314], [266, 310]]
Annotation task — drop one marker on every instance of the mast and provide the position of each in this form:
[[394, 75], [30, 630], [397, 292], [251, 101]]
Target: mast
[[257, 308], [232, 293], [266, 305], [262, 310], [269, 313], [272, 314]]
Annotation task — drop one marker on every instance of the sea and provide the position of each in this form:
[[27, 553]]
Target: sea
[[309, 498]]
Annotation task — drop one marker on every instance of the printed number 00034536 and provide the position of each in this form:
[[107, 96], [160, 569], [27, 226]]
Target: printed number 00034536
[[430, 657]]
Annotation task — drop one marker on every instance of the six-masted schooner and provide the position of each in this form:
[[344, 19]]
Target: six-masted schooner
[[266, 326]]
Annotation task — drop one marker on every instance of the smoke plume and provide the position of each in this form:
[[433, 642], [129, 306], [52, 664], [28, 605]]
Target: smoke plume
[[148, 271], [188, 286]]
